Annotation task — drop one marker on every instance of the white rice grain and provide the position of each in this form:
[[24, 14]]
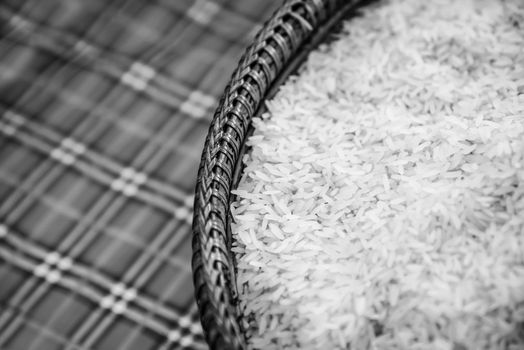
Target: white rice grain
[[382, 203]]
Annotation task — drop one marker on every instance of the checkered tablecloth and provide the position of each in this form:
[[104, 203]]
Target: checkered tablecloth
[[104, 107]]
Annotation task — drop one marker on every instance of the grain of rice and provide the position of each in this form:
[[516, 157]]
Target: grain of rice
[[382, 203]]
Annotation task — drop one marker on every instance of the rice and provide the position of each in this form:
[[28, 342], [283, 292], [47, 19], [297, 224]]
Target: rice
[[382, 202]]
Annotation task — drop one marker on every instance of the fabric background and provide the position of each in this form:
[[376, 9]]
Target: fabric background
[[104, 107]]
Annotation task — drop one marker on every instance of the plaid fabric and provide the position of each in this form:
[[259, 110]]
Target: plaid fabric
[[104, 107]]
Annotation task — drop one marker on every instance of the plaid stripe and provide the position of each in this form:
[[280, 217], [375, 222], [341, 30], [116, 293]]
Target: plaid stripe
[[104, 106]]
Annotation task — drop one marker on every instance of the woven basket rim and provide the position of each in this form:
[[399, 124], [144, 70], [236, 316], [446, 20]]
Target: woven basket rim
[[279, 48]]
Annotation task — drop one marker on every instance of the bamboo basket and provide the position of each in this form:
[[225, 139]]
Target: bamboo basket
[[279, 48]]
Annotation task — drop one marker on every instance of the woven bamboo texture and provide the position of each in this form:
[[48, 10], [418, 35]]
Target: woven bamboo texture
[[281, 45]]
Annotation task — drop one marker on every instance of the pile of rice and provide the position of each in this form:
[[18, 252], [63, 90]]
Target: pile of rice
[[382, 204]]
